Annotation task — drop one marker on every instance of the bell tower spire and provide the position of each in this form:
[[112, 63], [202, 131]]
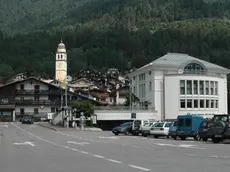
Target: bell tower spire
[[61, 62]]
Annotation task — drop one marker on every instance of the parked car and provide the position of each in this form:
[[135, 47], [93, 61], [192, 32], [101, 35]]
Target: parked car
[[188, 126], [204, 130], [173, 130], [145, 129], [125, 128], [27, 119], [137, 125], [220, 128], [160, 129]]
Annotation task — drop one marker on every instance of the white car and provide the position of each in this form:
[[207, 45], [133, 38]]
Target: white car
[[160, 129], [145, 129]]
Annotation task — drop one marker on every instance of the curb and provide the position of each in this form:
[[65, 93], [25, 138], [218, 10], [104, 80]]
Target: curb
[[51, 128]]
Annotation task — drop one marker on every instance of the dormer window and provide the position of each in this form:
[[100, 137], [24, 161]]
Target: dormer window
[[194, 68]]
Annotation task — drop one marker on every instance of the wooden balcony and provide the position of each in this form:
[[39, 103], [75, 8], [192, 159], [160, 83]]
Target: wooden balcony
[[38, 92]]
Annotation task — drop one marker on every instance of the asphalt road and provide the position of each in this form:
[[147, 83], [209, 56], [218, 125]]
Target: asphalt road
[[32, 148]]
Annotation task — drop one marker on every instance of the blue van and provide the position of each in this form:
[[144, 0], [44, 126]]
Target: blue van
[[188, 126], [173, 130]]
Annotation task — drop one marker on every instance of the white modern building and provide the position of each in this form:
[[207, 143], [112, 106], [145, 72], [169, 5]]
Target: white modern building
[[177, 84]]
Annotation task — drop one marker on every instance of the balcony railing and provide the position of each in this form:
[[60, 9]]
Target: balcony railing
[[39, 102], [44, 92], [123, 108]]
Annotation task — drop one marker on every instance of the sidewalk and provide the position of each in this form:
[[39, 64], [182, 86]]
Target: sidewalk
[[60, 128]]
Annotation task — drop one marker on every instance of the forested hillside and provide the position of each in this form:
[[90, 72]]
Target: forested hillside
[[110, 33]]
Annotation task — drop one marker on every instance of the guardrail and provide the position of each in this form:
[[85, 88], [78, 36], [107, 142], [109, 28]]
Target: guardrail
[[122, 108], [31, 113]]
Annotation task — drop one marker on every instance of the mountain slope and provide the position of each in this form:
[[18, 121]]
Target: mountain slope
[[111, 33], [30, 15]]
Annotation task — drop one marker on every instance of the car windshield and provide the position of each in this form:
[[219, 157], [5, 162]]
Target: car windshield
[[167, 125], [148, 124], [220, 118], [159, 124], [126, 124], [175, 124], [204, 124]]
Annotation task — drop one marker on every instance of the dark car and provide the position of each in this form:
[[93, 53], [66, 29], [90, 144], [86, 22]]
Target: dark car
[[220, 128], [27, 119], [125, 128], [204, 130]]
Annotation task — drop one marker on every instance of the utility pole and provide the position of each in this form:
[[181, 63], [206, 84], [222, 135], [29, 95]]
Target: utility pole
[[130, 96], [66, 103], [61, 106]]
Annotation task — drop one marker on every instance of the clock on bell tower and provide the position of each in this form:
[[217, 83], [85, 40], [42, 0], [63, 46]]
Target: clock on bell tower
[[61, 63]]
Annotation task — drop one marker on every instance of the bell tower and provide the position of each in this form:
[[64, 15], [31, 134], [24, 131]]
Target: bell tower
[[61, 63]]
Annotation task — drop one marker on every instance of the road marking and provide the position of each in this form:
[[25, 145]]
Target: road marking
[[25, 143], [98, 156], [143, 138], [32, 126], [113, 137], [139, 168], [87, 153], [214, 156], [91, 140], [186, 146], [83, 152], [134, 146], [112, 160], [123, 144], [78, 143], [163, 144], [105, 142], [6, 126], [75, 150]]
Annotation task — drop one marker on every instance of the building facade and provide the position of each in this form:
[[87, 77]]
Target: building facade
[[32, 96], [177, 84], [61, 63]]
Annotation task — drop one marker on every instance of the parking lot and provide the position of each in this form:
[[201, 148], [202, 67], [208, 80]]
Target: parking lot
[[42, 149]]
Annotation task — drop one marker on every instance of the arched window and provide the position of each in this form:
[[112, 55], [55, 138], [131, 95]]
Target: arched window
[[194, 68], [61, 56]]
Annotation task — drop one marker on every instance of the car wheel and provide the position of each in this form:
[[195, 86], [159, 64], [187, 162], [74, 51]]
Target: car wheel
[[183, 138], [174, 137], [116, 134], [155, 137], [197, 137], [216, 140], [127, 133], [205, 139]]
